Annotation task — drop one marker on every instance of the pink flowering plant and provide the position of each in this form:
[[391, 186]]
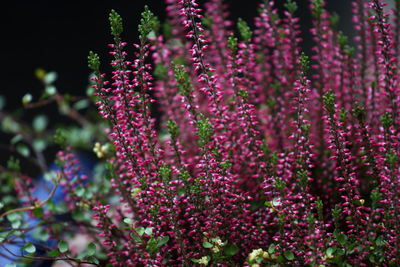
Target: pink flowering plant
[[228, 146]]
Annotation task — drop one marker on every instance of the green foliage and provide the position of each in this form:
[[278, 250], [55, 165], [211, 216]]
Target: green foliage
[[329, 102], [161, 72], [165, 172], [63, 246], [91, 249], [343, 115], [303, 177], [291, 6], [334, 19], [60, 137], [40, 123], [318, 9], [26, 99], [140, 231], [23, 149], [93, 61], [244, 30], [359, 112], [387, 121], [207, 244], [13, 164], [183, 79], [232, 43], [207, 21], [115, 23], [173, 130], [154, 244], [148, 231], [319, 205], [304, 63], [231, 250], [204, 131], [289, 255], [279, 184], [148, 23], [391, 158], [29, 248], [243, 94], [343, 40], [306, 129], [226, 164], [376, 196]]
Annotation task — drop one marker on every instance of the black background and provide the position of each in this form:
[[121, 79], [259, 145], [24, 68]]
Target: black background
[[57, 35]]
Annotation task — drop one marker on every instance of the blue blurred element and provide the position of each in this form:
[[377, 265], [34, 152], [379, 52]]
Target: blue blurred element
[[41, 192]]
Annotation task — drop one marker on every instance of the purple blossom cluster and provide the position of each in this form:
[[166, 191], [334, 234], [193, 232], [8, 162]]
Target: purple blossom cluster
[[239, 150]]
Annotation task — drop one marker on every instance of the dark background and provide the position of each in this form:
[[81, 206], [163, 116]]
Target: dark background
[[57, 35]]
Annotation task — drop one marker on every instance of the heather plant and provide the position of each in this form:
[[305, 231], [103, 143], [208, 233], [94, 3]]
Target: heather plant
[[229, 146]]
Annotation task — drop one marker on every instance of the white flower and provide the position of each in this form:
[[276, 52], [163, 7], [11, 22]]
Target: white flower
[[100, 150], [204, 260], [255, 254]]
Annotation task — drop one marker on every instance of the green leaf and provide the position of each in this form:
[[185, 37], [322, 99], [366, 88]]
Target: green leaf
[[92, 259], [63, 246], [41, 234], [329, 252], [23, 150], [231, 250], [78, 215], [16, 224], [39, 145], [140, 231], [81, 104], [38, 212], [29, 247], [54, 253], [341, 238], [80, 191], [271, 249], [39, 123], [181, 191], [152, 245], [380, 241], [12, 217], [207, 244], [162, 241], [50, 90], [148, 231], [50, 77], [91, 249], [26, 99], [10, 265], [128, 221], [289, 255], [16, 139], [82, 254]]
